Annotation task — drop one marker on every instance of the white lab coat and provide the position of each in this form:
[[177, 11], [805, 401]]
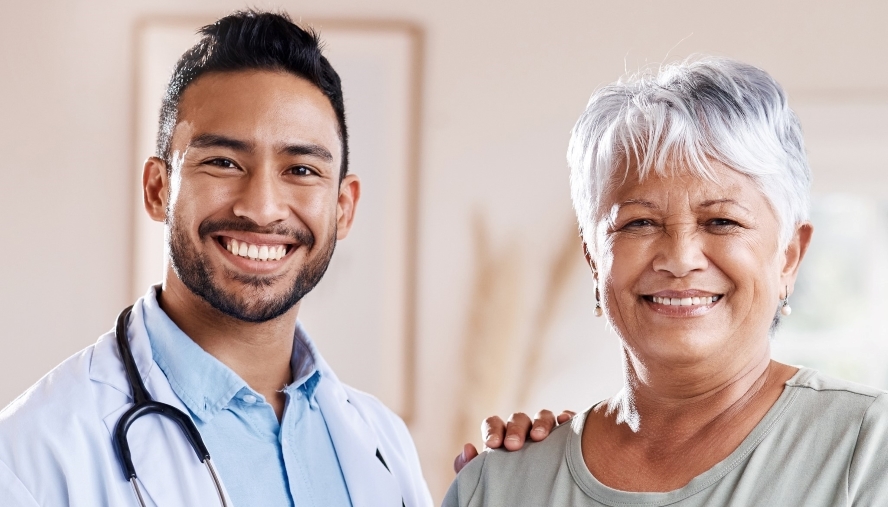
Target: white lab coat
[[56, 443]]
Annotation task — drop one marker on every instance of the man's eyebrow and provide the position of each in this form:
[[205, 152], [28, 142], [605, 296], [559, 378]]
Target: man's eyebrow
[[315, 150], [713, 202], [219, 141]]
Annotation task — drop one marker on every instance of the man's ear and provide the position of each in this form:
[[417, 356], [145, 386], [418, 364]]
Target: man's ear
[[155, 188], [349, 194], [794, 253]]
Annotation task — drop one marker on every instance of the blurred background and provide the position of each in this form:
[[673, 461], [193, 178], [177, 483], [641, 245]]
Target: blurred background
[[492, 298]]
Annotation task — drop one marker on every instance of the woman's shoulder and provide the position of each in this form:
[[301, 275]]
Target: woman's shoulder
[[808, 378], [849, 421], [501, 477], [830, 404], [835, 398]]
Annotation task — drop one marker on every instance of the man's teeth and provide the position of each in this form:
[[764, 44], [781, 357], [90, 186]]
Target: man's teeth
[[685, 301], [256, 252]]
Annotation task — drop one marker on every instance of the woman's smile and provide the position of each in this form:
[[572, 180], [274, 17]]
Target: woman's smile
[[689, 303]]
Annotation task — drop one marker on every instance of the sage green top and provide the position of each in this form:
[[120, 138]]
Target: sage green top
[[823, 443]]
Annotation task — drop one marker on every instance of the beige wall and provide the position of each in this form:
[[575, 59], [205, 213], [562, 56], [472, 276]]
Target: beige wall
[[504, 83]]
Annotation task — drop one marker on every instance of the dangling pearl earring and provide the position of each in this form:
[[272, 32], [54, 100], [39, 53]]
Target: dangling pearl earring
[[785, 310], [598, 311]]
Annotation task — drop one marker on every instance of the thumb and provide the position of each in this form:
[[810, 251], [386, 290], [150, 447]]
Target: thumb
[[462, 459]]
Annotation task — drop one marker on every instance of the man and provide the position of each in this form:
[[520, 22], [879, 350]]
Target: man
[[251, 181]]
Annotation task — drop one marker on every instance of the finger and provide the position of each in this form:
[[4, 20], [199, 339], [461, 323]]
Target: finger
[[462, 459], [516, 431], [543, 422], [565, 416], [493, 430]]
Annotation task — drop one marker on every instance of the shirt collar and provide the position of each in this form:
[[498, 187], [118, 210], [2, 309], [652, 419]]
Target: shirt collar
[[203, 383]]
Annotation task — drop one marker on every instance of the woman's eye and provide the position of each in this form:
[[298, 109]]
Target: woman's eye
[[641, 222], [722, 224]]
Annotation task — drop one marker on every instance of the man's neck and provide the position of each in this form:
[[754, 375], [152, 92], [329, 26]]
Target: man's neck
[[260, 353]]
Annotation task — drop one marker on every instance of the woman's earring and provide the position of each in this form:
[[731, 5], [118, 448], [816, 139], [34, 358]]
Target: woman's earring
[[598, 311], [786, 309]]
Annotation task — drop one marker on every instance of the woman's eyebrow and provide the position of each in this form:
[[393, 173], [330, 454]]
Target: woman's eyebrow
[[713, 202], [640, 202]]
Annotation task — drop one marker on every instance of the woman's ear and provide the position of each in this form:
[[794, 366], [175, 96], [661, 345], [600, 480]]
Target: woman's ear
[[590, 261], [155, 188], [794, 254]]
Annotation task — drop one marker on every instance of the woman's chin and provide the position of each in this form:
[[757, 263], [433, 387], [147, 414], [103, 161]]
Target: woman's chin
[[683, 348]]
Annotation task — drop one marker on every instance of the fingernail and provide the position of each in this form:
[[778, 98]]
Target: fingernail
[[538, 430], [512, 438]]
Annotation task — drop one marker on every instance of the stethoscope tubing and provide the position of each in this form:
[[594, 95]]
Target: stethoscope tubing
[[143, 405]]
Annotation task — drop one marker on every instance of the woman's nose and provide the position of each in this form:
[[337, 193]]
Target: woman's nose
[[680, 253], [262, 199]]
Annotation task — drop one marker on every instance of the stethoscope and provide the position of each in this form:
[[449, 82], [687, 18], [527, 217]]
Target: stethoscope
[[144, 405]]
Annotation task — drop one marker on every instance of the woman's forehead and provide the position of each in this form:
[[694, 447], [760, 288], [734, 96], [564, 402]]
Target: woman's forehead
[[657, 188]]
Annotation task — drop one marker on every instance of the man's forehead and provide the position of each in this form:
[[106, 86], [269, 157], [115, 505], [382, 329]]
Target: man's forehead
[[257, 106]]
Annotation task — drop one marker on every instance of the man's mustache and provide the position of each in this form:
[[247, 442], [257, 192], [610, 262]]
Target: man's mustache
[[301, 236]]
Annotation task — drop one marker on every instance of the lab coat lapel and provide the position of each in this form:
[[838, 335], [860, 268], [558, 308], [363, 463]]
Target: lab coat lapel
[[369, 481], [169, 472]]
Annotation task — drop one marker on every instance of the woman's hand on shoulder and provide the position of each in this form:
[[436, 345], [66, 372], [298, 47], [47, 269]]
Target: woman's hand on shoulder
[[512, 434]]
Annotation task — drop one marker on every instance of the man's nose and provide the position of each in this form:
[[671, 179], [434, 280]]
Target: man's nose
[[680, 252], [263, 199]]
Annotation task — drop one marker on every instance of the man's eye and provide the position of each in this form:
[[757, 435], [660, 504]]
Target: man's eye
[[301, 170], [221, 162]]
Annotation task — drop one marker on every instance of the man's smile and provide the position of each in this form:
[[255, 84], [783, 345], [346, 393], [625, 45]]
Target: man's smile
[[254, 251]]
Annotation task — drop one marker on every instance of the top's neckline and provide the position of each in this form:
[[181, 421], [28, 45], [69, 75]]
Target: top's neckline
[[617, 498]]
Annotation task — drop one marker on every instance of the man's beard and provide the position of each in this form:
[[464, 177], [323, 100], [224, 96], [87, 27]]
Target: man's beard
[[194, 269]]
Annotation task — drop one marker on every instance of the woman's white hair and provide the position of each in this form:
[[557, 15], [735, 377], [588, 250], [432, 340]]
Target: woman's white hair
[[686, 115]]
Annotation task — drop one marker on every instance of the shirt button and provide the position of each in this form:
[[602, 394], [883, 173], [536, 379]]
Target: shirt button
[[249, 398]]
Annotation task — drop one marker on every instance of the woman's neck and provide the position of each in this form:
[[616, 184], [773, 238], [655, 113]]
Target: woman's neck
[[688, 396], [667, 427]]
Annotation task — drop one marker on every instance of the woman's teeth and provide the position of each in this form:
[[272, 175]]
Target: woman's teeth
[[685, 301], [256, 252]]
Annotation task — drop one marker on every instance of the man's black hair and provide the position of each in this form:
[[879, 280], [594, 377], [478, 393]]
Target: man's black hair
[[252, 40]]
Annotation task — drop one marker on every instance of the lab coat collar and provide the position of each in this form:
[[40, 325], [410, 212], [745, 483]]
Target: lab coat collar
[[163, 466], [370, 483], [106, 366], [168, 470]]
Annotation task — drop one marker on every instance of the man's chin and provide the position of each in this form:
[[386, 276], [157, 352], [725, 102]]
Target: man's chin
[[248, 297], [251, 300], [261, 284]]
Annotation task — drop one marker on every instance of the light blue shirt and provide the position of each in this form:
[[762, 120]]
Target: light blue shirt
[[261, 462]]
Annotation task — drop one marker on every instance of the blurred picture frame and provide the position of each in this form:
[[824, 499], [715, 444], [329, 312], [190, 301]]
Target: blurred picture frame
[[362, 315]]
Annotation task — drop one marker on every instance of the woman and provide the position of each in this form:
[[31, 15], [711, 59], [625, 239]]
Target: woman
[[691, 191]]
